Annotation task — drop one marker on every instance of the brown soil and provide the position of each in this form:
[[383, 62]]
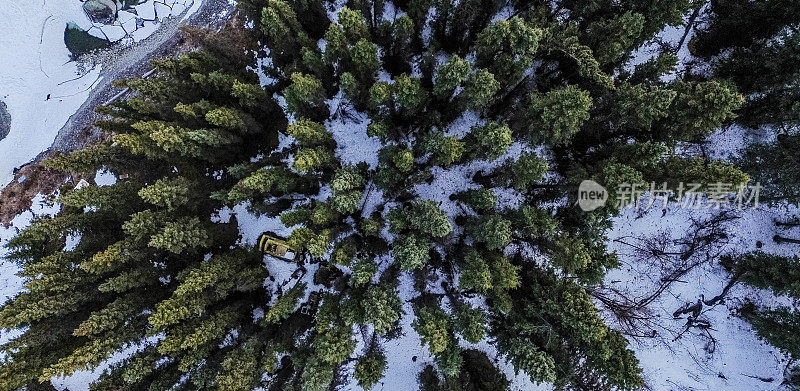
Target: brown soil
[[17, 196]]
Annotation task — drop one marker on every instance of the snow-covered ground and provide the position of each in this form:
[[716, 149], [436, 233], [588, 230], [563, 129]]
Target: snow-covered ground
[[720, 351], [35, 64]]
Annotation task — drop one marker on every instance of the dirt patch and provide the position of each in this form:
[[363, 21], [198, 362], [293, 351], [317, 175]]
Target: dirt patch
[[29, 181], [33, 178]]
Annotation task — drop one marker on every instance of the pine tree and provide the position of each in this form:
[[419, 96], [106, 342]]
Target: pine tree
[[759, 61], [479, 373], [571, 254], [306, 97], [285, 304], [426, 218], [167, 192], [506, 48], [408, 93], [266, 181], [450, 361], [703, 107], [445, 150], [369, 370], [579, 328], [481, 86], [316, 376], [766, 271], [471, 324], [475, 274], [505, 277], [519, 174], [450, 76], [535, 221], [492, 230], [310, 134], [383, 308], [559, 114], [433, 326], [777, 326], [476, 373], [363, 271], [313, 159], [525, 356], [489, 141], [773, 166], [411, 252], [478, 199], [334, 346]]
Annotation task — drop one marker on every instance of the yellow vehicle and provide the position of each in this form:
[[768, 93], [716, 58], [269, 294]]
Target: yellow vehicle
[[276, 246]]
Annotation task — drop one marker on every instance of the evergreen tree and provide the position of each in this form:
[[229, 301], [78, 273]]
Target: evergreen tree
[[492, 230], [369, 370], [477, 373], [471, 324], [481, 86], [450, 76], [475, 274], [445, 150], [526, 335], [478, 199], [759, 62], [411, 252], [489, 141], [363, 271], [560, 113], [305, 97], [506, 48], [382, 307], [433, 326], [766, 271], [777, 326]]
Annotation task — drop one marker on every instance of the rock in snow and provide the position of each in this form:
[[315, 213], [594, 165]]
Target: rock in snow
[[5, 121]]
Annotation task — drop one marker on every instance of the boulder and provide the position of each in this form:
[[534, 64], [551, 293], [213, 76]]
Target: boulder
[[5, 121], [101, 11]]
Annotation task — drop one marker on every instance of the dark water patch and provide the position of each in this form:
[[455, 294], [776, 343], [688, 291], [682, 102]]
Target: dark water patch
[[79, 41]]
